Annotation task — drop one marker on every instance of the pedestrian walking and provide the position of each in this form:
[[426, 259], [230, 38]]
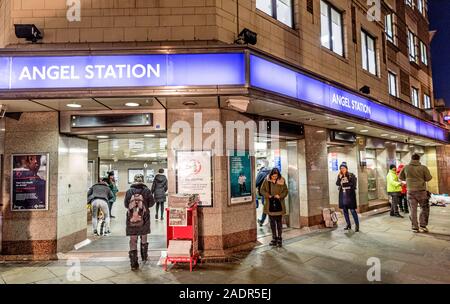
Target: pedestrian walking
[[98, 196], [262, 174], [138, 201], [347, 183], [159, 189], [394, 190], [275, 190], [416, 177], [112, 185]]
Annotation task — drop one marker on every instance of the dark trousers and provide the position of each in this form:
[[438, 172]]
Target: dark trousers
[[404, 203], [276, 224], [110, 204], [347, 216], [160, 205], [395, 202]]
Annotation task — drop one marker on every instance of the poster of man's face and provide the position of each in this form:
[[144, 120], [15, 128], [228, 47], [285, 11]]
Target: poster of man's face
[[29, 182]]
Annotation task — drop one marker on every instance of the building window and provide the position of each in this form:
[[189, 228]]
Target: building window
[[369, 61], [420, 6], [423, 53], [331, 28], [412, 46], [426, 101], [389, 27], [392, 78], [415, 97], [278, 9]]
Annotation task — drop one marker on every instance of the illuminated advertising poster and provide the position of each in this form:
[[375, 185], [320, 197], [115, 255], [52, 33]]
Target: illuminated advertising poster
[[194, 175], [240, 174], [29, 182]]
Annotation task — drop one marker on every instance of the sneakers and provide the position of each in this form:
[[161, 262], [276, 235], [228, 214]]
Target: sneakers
[[96, 233], [424, 229], [348, 227], [107, 233], [357, 228], [415, 230]]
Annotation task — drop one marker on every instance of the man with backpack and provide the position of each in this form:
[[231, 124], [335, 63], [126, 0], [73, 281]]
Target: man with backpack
[[138, 201], [262, 174]]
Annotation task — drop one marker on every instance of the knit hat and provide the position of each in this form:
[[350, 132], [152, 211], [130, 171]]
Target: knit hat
[[344, 164], [139, 178]]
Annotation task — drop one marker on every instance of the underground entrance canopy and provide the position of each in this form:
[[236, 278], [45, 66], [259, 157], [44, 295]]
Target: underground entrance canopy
[[197, 70]]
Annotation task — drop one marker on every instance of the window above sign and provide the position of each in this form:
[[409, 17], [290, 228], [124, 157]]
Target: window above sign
[[280, 10]]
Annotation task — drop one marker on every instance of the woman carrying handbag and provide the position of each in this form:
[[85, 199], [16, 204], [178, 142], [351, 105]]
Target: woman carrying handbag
[[274, 190]]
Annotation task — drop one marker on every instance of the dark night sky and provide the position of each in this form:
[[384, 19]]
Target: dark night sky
[[439, 15]]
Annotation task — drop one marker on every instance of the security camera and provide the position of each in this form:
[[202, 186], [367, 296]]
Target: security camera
[[28, 32], [239, 105], [2, 111]]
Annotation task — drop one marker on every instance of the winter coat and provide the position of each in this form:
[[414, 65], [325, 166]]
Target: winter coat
[[416, 176], [272, 189], [393, 185], [142, 189], [347, 198], [99, 191], [404, 188], [114, 191], [159, 188]]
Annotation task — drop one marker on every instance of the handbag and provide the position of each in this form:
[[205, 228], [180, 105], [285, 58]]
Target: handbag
[[274, 203]]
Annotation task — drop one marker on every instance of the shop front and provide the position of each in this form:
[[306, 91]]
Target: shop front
[[204, 100]]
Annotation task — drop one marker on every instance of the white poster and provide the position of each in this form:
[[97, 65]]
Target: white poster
[[194, 175]]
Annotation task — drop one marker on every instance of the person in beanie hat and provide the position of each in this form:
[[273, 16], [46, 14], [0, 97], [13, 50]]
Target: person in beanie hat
[[138, 201], [347, 184]]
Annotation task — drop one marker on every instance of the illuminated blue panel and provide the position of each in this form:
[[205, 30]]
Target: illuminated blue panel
[[128, 71], [270, 76], [4, 72]]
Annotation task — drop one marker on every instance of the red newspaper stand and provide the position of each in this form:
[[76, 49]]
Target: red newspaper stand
[[188, 233]]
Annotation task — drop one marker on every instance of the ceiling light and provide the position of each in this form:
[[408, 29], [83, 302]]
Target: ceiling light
[[149, 135], [102, 136], [286, 114], [350, 128], [384, 135], [364, 131], [387, 142], [411, 140], [132, 104], [320, 131], [190, 103], [73, 105], [393, 136]]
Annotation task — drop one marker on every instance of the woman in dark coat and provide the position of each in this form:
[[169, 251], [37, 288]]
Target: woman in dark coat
[[138, 201], [159, 189], [347, 183]]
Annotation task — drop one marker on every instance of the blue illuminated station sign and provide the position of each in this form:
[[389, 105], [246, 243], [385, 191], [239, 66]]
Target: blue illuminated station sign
[[197, 70]]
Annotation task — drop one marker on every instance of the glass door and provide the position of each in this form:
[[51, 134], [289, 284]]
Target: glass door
[[372, 174]]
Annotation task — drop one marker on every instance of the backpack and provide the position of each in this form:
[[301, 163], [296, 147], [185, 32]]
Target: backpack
[[136, 210], [260, 179]]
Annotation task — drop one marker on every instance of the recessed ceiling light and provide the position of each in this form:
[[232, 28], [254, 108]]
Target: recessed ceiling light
[[384, 135], [102, 136], [387, 142], [149, 135], [132, 104], [190, 103], [350, 128], [393, 136], [364, 131], [411, 140], [286, 114], [320, 131], [73, 105]]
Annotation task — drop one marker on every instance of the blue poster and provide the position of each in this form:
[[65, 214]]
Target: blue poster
[[240, 178]]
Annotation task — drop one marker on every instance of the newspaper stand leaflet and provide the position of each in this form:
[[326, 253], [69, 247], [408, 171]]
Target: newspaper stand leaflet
[[182, 237]]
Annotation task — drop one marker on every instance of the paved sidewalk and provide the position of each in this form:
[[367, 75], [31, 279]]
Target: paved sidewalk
[[319, 257]]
